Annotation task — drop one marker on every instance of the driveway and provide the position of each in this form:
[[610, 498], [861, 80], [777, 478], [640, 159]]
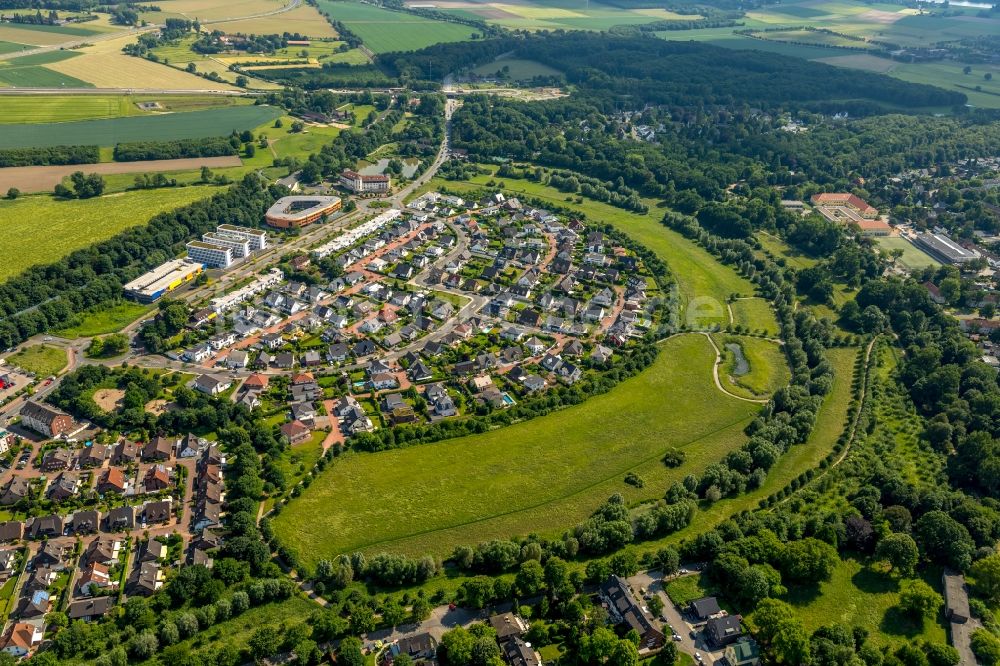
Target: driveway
[[652, 581]]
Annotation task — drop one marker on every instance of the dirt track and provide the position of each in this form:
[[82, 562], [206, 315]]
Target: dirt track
[[41, 178]]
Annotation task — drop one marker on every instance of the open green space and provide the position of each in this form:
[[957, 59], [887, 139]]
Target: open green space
[[704, 285], [163, 127], [535, 476], [71, 225], [515, 69], [384, 30], [43, 360], [857, 596], [754, 314], [768, 369], [102, 322], [830, 421], [912, 257], [783, 251]]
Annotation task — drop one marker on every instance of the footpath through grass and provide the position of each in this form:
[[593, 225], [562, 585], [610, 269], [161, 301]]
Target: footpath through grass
[[768, 369], [543, 475], [43, 360], [830, 422], [71, 225]]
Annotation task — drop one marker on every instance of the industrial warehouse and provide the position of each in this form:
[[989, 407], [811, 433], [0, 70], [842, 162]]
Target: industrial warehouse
[[162, 279]]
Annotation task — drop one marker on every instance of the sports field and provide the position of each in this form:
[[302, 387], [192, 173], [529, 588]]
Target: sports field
[[704, 285], [542, 475], [384, 30], [913, 257], [71, 225], [195, 124], [63, 108]]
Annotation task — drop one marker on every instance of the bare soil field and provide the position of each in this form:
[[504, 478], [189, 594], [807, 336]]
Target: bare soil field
[[43, 178], [109, 399]]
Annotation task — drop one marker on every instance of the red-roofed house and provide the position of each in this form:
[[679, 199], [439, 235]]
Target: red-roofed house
[[295, 432]]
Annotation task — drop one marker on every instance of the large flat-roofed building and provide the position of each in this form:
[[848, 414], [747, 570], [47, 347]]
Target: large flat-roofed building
[[164, 278], [210, 254], [941, 247], [257, 237], [361, 184], [299, 211], [239, 246], [844, 200]]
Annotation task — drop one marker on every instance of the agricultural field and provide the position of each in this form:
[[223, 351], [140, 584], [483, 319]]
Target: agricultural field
[[912, 258], [43, 360], [11, 47], [71, 225], [304, 19], [475, 493], [65, 108], [45, 178], [107, 132], [557, 14], [209, 11], [107, 320], [46, 35], [766, 368], [704, 285], [29, 71], [869, 21], [384, 30], [104, 65], [180, 55]]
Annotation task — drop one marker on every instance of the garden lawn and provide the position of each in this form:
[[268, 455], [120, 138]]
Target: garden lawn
[[164, 127], [542, 475], [108, 320], [74, 224], [768, 366], [384, 30], [43, 360], [703, 283]]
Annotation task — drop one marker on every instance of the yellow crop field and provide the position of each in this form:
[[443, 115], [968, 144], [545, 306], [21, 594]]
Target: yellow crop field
[[304, 20], [35, 37], [105, 66], [215, 10]]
